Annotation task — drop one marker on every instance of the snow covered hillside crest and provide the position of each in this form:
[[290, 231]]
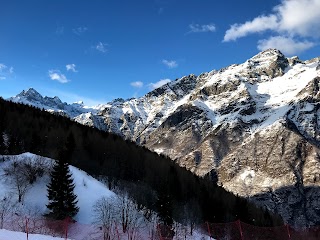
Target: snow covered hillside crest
[[88, 189], [255, 125]]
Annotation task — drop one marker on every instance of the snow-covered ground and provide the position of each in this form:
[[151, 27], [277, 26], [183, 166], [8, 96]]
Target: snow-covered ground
[[88, 190], [11, 235], [33, 207]]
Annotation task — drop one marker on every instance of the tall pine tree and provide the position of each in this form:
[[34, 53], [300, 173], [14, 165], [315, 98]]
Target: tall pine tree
[[62, 200]]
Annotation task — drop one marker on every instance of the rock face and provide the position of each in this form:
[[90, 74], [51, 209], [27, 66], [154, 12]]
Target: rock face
[[255, 127]]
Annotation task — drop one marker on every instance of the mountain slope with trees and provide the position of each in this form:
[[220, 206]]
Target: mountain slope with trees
[[151, 179]]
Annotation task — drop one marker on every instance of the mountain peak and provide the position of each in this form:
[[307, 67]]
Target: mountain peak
[[270, 62], [30, 94], [270, 53]]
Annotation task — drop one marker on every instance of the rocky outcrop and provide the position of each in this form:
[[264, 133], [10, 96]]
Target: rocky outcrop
[[305, 113], [277, 168], [270, 62]]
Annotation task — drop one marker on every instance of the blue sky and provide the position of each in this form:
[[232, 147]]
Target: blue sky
[[99, 50]]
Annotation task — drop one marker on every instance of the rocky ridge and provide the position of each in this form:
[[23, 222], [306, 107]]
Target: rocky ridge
[[255, 127]]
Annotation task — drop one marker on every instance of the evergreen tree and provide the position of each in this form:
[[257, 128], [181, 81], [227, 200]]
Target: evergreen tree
[[165, 209], [62, 200]]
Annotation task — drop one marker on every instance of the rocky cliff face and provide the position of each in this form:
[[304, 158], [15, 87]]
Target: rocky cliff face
[[254, 126]]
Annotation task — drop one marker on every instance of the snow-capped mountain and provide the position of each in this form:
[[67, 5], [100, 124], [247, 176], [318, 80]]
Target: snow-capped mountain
[[52, 104], [255, 125]]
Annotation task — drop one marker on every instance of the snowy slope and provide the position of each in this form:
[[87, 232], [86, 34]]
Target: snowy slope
[[88, 190]]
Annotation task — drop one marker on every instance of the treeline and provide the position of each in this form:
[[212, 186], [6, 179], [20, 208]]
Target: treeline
[[151, 180]]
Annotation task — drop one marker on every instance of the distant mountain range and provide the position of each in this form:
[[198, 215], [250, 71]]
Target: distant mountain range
[[254, 126]]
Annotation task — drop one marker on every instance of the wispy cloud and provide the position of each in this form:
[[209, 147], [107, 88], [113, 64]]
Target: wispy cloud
[[158, 84], [296, 22], [79, 30], [101, 47], [137, 84], [2, 67], [60, 30], [197, 28], [5, 71], [71, 67], [56, 75], [170, 63]]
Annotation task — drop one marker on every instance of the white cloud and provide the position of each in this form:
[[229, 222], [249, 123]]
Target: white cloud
[[259, 24], [296, 22], [158, 84], [79, 30], [11, 70], [170, 63], [299, 17], [137, 84], [102, 47], [56, 75], [2, 77], [291, 17], [286, 45], [71, 67], [2, 67], [197, 28]]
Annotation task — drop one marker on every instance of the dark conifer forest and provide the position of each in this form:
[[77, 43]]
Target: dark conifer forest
[[150, 179]]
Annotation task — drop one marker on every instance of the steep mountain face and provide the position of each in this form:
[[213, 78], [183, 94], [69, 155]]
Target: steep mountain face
[[255, 126]]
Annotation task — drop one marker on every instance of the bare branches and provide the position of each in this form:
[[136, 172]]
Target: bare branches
[[6, 208], [21, 174], [118, 209]]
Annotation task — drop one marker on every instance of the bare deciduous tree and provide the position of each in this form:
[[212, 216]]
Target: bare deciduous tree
[[16, 178], [119, 209], [103, 214], [20, 174], [6, 208], [34, 167]]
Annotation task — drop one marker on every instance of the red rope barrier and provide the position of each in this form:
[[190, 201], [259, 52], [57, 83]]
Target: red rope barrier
[[288, 232], [240, 229], [209, 230], [27, 230], [233, 230], [66, 227]]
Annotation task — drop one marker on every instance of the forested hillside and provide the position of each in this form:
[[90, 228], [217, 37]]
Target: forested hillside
[[151, 180]]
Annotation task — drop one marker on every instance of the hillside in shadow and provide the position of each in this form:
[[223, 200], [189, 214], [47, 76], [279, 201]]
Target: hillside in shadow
[[150, 179], [299, 205]]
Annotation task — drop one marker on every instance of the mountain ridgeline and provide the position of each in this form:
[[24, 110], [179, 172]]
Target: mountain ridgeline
[[152, 180], [255, 126]]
